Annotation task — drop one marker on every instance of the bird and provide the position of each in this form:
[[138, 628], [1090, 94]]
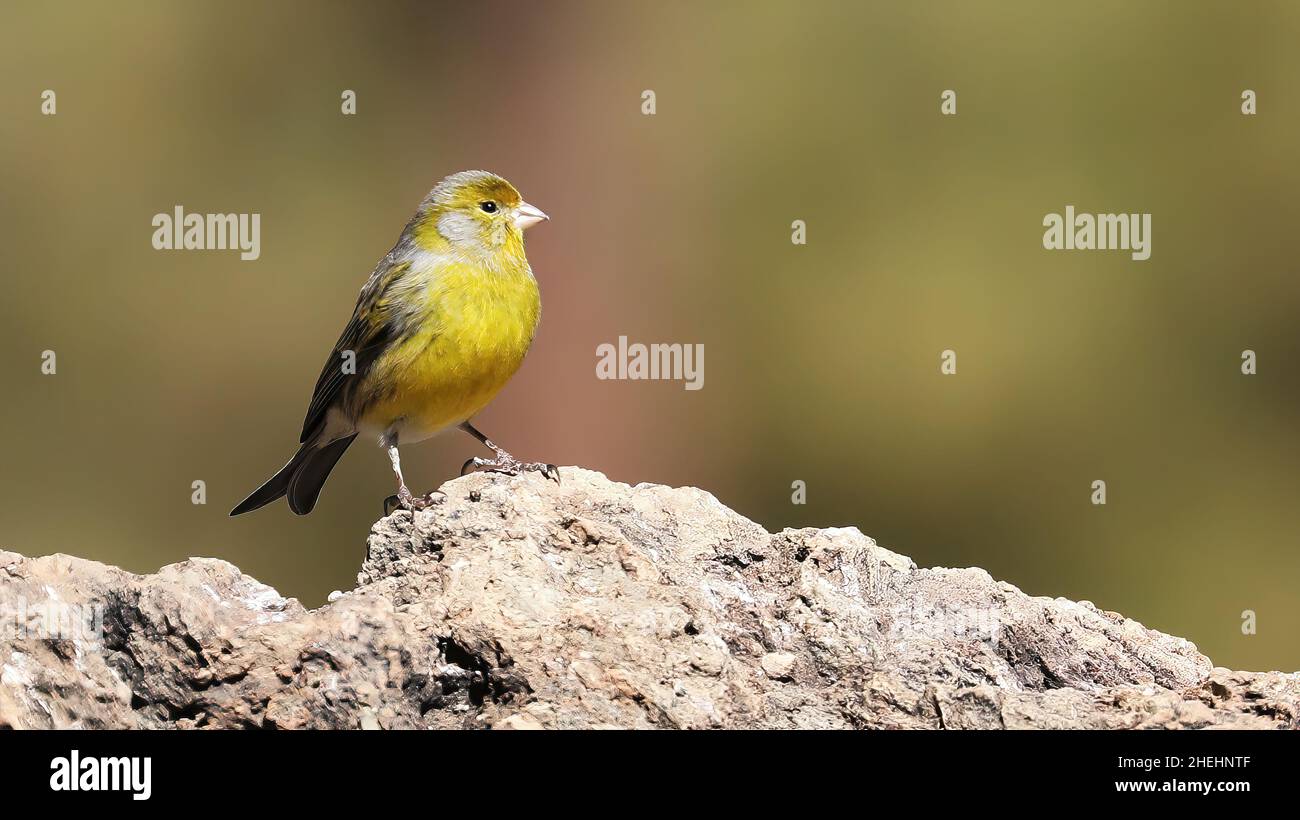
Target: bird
[[443, 322]]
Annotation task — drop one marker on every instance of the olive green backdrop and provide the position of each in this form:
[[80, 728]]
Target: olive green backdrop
[[822, 361]]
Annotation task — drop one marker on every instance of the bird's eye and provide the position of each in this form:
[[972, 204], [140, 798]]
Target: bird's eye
[[488, 207]]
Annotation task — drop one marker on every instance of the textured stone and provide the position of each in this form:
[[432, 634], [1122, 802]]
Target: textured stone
[[521, 604]]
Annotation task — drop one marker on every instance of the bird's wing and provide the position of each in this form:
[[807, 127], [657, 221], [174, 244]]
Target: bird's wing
[[366, 335]]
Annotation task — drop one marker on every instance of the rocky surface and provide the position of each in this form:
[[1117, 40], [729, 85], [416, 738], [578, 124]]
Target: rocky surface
[[519, 604]]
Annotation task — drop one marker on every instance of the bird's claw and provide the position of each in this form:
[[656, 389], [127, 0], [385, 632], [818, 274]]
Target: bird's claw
[[509, 465], [413, 503]]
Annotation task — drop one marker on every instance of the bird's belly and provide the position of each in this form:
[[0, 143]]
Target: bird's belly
[[447, 372]]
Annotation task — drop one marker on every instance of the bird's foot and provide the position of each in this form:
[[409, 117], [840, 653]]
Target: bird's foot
[[508, 464], [413, 503]]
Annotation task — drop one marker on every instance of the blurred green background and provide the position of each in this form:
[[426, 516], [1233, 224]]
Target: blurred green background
[[822, 361]]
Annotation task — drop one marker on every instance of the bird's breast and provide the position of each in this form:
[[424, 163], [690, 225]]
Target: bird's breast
[[464, 333]]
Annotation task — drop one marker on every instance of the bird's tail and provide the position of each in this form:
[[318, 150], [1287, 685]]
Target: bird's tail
[[301, 479]]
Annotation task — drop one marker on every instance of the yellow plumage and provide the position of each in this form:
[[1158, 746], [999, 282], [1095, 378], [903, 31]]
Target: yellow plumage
[[473, 328], [444, 321]]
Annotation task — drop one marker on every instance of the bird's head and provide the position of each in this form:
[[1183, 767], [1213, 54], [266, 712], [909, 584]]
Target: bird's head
[[475, 212]]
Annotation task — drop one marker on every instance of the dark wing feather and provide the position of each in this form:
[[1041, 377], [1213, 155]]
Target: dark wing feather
[[367, 335]]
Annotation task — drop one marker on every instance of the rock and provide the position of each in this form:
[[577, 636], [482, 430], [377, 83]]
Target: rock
[[523, 720], [593, 604], [778, 665]]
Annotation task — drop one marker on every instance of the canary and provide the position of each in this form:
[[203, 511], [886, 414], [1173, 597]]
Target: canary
[[439, 328]]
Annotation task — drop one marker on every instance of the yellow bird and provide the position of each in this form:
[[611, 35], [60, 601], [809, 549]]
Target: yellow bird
[[440, 327]]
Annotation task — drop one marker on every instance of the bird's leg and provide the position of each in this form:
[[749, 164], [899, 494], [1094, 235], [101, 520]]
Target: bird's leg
[[404, 496], [504, 462]]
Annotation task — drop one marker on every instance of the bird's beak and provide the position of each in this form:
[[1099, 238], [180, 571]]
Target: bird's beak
[[527, 216]]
